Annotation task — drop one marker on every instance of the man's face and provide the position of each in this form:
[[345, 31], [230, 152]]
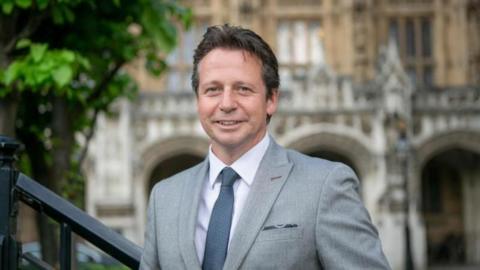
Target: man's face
[[232, 102]]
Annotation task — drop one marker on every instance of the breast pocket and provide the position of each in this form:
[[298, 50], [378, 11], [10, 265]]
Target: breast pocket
[[278, 234], [278, 249]]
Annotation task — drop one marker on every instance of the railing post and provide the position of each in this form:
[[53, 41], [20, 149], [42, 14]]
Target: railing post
[[65, 247], [9, 248]]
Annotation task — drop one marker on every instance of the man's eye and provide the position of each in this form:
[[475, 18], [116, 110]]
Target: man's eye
[[212, 90], [244, 89]]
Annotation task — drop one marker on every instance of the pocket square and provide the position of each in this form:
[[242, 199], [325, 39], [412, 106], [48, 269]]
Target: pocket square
[[279, 226]]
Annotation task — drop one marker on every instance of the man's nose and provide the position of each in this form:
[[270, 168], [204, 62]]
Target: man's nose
[[228, 102]]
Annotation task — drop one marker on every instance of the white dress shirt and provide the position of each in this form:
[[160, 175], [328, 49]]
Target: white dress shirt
[[246, 167]]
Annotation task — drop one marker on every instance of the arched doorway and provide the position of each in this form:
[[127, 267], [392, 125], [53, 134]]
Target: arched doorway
[[171, 166], [168, 157], [450, 198]]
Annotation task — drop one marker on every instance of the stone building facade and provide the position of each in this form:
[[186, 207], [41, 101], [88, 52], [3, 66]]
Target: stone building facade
[[392, 88]]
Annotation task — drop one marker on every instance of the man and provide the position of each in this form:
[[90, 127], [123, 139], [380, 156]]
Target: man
[[252, 204]]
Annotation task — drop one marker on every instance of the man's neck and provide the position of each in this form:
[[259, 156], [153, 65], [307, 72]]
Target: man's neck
[[230, 155]]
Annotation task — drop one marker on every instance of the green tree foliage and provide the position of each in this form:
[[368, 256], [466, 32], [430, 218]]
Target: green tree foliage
[[61, 65]]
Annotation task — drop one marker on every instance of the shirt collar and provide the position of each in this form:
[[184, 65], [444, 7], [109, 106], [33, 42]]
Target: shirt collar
[[246, 166]]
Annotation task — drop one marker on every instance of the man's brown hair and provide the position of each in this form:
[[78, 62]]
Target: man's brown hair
[[237, 38]]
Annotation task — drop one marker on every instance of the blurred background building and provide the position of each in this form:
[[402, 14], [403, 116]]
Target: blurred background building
[[389, 87]]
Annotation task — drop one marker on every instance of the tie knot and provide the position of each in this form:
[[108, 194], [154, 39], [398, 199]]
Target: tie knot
[[228, 176]]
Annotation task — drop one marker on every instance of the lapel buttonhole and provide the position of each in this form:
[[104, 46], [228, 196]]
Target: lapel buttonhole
[[275, 178]]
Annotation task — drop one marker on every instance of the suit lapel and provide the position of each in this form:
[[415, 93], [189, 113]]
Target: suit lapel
[[188, 215], [269, 180]]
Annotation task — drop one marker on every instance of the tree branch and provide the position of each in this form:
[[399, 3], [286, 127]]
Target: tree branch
[[88, 138], [31, 26], [105, 81], [95, 94]]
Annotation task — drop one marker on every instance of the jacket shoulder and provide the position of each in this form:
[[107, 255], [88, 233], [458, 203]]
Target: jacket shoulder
[[178, 180], [308, 162]]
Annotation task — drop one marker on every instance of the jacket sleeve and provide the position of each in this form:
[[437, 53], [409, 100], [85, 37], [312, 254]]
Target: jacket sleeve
[[345, 235], [150, 253]]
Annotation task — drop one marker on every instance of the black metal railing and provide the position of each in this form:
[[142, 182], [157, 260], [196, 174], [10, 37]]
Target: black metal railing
[[15, 186]]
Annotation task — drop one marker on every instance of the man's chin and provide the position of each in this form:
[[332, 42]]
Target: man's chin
[[228, 143]]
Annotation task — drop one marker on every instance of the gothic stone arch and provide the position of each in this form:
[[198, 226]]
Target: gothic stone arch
[[168, 148], [430, 149]]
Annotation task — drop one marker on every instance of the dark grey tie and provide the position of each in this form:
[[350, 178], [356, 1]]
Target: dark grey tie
[[220, 222]]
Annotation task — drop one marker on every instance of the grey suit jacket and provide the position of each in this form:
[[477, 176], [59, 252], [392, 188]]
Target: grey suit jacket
[[301, 213]]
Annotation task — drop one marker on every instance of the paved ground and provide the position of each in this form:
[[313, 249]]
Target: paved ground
[[460, 267]]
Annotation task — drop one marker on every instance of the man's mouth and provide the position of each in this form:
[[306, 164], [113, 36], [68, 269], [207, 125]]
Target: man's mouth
[[228, 122]]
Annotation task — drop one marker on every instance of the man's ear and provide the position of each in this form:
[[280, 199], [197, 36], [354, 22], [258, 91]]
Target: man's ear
[[272, 102]]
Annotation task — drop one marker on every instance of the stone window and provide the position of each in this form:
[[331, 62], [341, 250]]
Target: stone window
[[181, 59], [413, 36], [298, 46]]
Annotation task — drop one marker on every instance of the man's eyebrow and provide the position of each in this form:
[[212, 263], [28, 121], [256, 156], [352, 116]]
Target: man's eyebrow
[[243, 83], [214, 82]]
